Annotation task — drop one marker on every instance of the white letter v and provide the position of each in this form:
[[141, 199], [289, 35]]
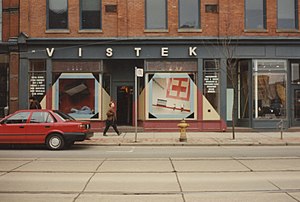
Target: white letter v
[[50, 52]]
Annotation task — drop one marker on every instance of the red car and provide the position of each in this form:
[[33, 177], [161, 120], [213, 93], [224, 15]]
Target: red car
[[51, 127]]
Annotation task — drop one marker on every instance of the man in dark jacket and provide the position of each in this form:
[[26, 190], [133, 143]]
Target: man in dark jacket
[[34, 104], [111, 119]]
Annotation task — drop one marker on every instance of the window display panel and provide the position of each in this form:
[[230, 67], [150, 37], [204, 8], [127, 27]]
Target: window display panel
[[269, 91], [77, 95], [37, 81], [211, 90], [171, 95]]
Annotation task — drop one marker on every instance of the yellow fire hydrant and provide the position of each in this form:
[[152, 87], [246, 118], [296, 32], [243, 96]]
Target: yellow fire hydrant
[[183, 125]]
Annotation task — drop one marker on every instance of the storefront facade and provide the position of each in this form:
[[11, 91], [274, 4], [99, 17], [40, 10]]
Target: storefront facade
[[183, 79]]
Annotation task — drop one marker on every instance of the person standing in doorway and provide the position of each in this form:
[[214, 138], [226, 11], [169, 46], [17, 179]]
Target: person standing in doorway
[[34, 104], [111, 119]]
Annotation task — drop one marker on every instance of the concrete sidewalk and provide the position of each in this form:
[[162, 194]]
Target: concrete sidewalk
[[196, 139]]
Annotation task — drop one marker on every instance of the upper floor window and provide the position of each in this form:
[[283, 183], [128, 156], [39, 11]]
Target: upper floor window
[[255, 14], [57, 14], [156, 14], [189, 14], [90, 14], [287, 14]]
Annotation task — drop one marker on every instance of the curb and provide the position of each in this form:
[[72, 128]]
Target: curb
[[188, 144]]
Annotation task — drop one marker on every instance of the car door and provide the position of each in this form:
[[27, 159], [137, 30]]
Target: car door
[[41, 122], [14, 128]]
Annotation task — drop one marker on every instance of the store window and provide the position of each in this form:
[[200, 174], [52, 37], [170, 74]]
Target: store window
[[156, 14], [255, 14], [171, 95], [189, 14], [76, 92], [287, 14], [37, 81], [269, 89], [90, 14], [211, 89], [57, 14]]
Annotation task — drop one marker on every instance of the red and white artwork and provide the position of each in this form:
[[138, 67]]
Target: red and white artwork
[[179, 89]]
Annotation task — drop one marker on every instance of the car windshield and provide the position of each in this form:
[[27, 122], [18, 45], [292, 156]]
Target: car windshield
[[63, 116]]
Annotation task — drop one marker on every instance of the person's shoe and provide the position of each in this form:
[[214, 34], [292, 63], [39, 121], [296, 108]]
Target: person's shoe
[[119, 134], [104, 135]]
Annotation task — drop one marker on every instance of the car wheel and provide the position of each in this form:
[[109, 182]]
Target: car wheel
[[55, 142]]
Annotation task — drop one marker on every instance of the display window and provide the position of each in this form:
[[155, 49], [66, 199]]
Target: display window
[[269, 89], [78, 95], [171, 96]]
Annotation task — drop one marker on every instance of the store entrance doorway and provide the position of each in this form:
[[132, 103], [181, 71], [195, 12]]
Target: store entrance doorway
[[124, 105]]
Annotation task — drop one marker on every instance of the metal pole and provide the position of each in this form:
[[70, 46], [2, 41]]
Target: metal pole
[[135, 103]]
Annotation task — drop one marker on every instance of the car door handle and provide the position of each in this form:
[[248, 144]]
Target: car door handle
[[47, 126], [22, 126]]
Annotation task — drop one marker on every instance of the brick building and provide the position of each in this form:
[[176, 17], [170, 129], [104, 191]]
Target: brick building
[[9, 31], [77, 55]]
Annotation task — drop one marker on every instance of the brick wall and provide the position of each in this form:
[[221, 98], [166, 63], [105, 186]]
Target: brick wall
[[130, 19], [10, 19]]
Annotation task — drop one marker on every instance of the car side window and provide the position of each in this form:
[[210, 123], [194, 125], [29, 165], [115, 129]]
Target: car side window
[[21, 117], [41, 117]]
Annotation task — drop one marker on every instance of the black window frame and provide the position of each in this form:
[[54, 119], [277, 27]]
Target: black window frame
[[264, 17], [48, 17], [179, 15], [147, 27], [100, 16]]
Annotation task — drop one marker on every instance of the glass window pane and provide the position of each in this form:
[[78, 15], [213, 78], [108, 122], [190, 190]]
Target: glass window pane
[[41, 117], [18, 118], [171, 95], [270, 66], [156, 14], [78, 96], [269, 93], [90, 14], [295, 73], [37, 65], [189, 12], [286, 11], [57, 14], [255, 14]]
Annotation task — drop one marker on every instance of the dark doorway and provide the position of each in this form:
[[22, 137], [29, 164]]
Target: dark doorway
[[296, 111], [3, 89], [295, 89], [124, 105]]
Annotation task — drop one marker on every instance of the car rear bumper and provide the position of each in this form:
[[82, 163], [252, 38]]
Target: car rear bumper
[[73, 137]]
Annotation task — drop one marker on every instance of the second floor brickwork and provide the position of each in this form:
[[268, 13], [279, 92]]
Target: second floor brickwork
[[128, 20]]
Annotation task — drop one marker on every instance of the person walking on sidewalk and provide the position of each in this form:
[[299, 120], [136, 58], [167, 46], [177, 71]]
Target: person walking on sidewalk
[[111, 119]]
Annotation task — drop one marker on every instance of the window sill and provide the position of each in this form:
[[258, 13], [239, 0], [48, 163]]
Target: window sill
[[256, 31], [156, 30], [189, 30], [58, 31], [90, 31], [287, 31]]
